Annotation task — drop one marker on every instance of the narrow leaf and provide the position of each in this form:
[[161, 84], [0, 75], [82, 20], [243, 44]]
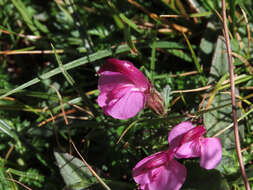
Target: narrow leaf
[[5, 128]]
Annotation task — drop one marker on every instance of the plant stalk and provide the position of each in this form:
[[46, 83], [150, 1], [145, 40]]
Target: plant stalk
[[231, 73]]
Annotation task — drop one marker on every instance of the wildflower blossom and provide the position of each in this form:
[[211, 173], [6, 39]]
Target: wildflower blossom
[[124, 90], [159, 171], [187, 141]]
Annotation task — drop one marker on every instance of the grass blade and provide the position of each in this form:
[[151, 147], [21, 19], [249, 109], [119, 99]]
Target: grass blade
[[82, 61], [64, 72], [152, 64], [5, 128], [26, 16]]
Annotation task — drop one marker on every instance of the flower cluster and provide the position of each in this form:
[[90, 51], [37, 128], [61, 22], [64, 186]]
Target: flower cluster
[[161, 171], [124, 91]]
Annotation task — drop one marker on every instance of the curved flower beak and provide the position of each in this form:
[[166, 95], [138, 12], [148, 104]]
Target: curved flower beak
[[159, 172]]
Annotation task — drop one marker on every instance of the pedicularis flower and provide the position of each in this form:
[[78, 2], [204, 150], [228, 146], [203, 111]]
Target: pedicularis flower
[[187, 141], [160, 171], [124, 90]]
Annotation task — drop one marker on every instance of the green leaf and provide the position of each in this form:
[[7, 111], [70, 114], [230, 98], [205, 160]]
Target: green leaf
[[195, 60], [130, 23], [207, 43], [153, 62], [181, 54], [219, 65], [5, 128], [30, 177], [75, 174], [4, 183], [199, 178], [26, 16], [221, 118], [166, 94], [64, 72], [168, 45]]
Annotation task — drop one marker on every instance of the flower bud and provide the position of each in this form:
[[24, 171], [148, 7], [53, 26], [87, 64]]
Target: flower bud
[[155, 101]]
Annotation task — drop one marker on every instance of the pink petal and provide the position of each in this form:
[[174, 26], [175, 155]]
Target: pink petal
[[110, 80], [159, 172], [211, 153], [127, 69], [127, 105], [177, 133], [168, 177], [141, 170], [194, 133], [102, 99], [190, 149]]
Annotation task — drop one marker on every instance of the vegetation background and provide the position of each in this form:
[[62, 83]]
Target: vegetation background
[[50, 52]]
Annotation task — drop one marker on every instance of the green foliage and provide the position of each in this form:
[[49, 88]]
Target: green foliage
[[34, 135], [75, 174]]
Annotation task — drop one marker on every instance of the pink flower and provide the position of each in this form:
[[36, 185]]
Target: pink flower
[[159, 171], [187, 141], [124, 89]]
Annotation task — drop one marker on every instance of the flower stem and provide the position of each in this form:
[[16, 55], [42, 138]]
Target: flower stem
[[231, 73]]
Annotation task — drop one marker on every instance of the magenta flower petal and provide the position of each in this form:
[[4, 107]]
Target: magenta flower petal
[[110, 80], [141, 173], [190, 149], [102, 99], [194, 134], [107, 82], [127, 105], [124, 90], [128, 69], [211, 153], [159, 172], [169, 177], [119, 97], [178, 132]]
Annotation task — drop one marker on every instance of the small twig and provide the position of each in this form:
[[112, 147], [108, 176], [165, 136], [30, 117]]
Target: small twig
[[16, 181], [248, 29], [15, 52], [192, 90], [9, 152], [205, 87], [171, 16], [52, 118], [202, 102], [91, 170], [247, 148], [85, 109], [246, 63], [246, 88], [232, 82], [64, 116], [125, 131], [61, 104], [30, 37], [231, 125], [79, 118], [55, 131]]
